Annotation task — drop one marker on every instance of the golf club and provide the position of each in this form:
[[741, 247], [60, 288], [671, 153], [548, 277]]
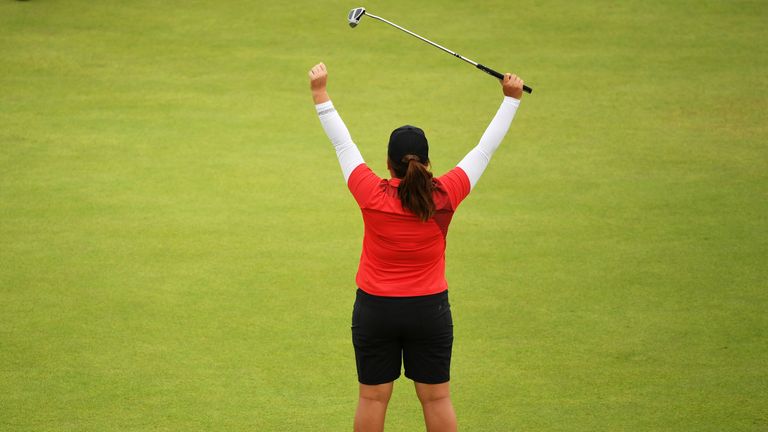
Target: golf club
[[357, 13]]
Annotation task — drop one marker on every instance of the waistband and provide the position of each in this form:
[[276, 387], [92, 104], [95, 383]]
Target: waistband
[[415, 300]]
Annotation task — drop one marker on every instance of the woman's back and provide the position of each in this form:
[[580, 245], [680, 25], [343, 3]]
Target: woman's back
[[403, 255]]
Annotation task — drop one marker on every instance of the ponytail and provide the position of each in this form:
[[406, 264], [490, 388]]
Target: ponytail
[[415, 190]]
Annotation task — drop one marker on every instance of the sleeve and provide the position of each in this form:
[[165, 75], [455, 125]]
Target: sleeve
[[456, 184], [363, 183], [475, 162], [346, 151]]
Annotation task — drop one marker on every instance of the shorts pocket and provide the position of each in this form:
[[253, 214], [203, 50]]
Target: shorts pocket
[[355, 316], [445, 313]]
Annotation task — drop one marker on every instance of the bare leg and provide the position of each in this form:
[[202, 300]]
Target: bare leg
[[372, 407], [438, 409]]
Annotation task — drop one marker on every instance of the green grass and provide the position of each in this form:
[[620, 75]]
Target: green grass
[[177, 247]]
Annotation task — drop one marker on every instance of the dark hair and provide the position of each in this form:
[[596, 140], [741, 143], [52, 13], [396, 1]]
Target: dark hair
[[415, 190]]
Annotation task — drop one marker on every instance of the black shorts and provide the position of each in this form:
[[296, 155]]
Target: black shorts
[[417, 329]]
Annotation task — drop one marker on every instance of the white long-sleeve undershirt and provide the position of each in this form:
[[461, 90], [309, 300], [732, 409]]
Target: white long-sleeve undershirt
[[346, 150], [473, 164]]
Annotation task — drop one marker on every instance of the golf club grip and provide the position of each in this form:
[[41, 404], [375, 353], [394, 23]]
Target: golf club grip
[[492, 72]]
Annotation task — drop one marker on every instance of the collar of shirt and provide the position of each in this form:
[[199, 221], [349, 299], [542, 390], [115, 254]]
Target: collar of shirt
[[394, 182]]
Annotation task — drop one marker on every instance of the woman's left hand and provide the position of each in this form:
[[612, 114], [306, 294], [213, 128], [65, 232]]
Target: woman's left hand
[[318, 79]]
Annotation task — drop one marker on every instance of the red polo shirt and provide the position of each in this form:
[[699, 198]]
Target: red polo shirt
[[403, 256]]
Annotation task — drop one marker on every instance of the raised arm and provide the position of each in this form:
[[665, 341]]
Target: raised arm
[[346, 151], [475, 162]]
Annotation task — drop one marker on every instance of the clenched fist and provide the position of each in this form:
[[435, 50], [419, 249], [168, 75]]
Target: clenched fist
[[318, 77]]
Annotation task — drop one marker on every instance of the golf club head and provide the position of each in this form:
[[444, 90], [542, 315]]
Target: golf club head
[[355, 15]]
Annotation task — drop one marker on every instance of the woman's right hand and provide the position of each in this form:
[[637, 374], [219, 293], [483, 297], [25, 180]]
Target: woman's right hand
[[512, 86]]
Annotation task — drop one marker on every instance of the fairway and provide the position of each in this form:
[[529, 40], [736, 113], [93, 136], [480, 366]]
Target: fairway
[[178, 248]]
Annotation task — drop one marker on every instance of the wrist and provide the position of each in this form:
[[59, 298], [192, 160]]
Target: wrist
[[511, 99], [320, 96]]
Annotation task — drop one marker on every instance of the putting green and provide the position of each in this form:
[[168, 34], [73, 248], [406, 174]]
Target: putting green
[[177, 247]]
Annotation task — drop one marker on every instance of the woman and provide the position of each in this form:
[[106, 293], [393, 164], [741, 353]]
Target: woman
[[401, 309]]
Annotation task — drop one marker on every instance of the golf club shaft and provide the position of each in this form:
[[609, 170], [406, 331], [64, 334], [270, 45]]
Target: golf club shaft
[[483, 68]]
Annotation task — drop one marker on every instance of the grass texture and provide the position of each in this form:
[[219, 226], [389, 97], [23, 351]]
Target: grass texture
[[178, 249]]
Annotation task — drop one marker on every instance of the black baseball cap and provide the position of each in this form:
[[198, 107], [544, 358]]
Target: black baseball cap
[[407, 140]]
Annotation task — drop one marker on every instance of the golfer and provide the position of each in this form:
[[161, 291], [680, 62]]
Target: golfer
[[401, 310]]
